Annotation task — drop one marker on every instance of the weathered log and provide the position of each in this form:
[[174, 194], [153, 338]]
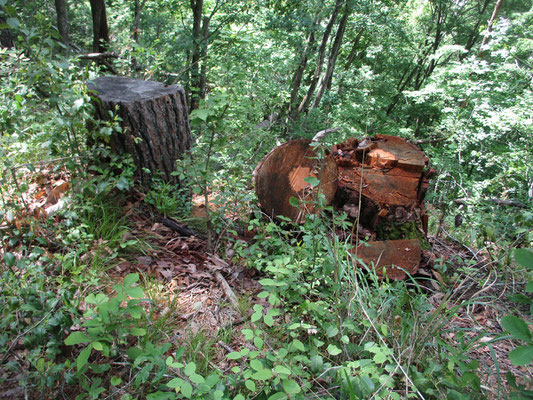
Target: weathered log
[[379, 182], [394, 257], [154, 120], [282, 174]]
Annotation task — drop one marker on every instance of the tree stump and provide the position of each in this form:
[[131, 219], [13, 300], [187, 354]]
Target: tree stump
[[379, 182], [155, 123], [284, 173]]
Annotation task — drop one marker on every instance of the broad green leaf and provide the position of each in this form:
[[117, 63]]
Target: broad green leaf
[[297, 345], [98, 346], [175, 383], [248, 334], [516, 327], [379, 358], [258, 342], [250, 385], [280, 369], [317, 362], [290, 386], [257, 365], [334, 350], [234, 355], [529, 287], [278, 396], [263, 375], [130, 279], [10, 259], [293, 201], [115, 380], [135, 292], [76, 338], [239, 397], [83, 357], [331, 331], [313, 181], [190, 369], [522, 355], [524, 257], [196, 378], [138, 331], [186, 389]]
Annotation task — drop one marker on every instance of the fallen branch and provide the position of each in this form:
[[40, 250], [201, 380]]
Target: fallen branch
[[228, 291], [499, 202], [434, 140], [319, 135], [98, 56], [182, 230]]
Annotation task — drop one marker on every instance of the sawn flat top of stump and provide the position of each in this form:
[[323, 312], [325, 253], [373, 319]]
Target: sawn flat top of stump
[[117, 89]]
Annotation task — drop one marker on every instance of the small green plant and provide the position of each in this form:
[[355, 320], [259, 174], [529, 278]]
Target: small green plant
[[111, 323], [168, 199]]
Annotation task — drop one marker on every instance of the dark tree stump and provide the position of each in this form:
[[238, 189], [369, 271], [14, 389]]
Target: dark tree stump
[[155, 123]]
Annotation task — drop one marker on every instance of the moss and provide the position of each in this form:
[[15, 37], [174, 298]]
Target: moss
[[393, 230]]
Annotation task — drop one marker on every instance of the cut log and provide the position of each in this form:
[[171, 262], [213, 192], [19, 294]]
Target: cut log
[[390, 177], [394, 257], [282, 174], [380, 184], [155, 123]]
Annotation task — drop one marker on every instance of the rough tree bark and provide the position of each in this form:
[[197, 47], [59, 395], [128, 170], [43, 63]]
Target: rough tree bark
[[155, 123]]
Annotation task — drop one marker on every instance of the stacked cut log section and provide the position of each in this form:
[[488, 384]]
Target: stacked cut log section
[[379, 182]]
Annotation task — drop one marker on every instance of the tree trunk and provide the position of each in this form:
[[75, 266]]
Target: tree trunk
[[155, 123], [285, 173], [320, 60], [6, 40], [100, 28], [298, 74], [197, 11], [489, 27], [334, 52], [62, 21]]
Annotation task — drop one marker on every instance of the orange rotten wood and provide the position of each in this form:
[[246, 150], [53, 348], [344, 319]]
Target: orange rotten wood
[[380, 182]]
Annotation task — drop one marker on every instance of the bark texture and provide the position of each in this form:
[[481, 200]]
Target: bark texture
[[155, 123], [62, 21], [100, 27]]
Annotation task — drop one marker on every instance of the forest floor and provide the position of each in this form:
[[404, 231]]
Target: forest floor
[[183, 281]]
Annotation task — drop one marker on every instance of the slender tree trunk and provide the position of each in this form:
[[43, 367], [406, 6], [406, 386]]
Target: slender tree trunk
[[320, 60], [138, 8], [489, 27], [197, 10], [100, 28], [6, 40], [334, 52], [62, 21], [203, 70], [298, 74]]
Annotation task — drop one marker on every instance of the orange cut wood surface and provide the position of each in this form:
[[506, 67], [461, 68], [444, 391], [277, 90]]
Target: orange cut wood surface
[[282, 173], [395, 256], [391, 174]]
